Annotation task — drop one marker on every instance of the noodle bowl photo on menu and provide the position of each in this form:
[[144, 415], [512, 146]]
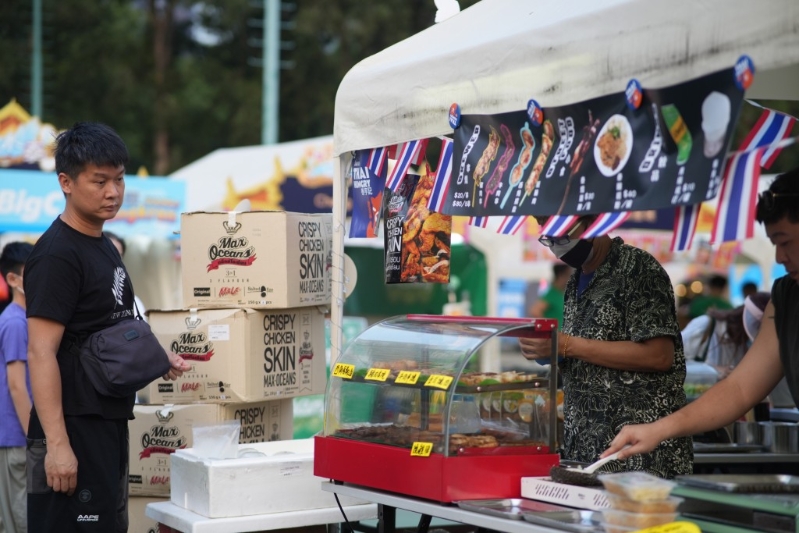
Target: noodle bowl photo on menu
[[613, 145]]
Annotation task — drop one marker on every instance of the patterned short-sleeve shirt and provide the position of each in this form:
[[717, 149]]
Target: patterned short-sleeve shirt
[[629, 298]]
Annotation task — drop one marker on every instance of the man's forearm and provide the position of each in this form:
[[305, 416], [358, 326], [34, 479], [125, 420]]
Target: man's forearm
[[653, 355], [46, 388]]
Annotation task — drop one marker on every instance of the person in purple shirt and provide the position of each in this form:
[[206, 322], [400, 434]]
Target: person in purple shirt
[[15, 392]]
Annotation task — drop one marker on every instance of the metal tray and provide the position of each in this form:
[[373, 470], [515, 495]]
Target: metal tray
[[703, 447], [745, 483], [512, 508], [573, 520]]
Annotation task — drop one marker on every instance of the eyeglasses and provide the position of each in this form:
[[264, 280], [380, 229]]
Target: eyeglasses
[[549, 242], [767, 199]]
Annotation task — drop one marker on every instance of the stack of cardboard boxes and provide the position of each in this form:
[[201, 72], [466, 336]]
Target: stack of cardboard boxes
[[256, 286]]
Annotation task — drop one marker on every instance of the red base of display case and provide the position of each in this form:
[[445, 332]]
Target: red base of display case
[[440, 478]]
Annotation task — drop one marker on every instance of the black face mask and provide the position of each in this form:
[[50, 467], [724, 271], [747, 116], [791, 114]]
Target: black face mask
[[578, 254]]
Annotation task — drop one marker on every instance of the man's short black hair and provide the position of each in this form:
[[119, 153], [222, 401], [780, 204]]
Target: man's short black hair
[[717, 282], [775, 208], [14, 256], [85, 143]]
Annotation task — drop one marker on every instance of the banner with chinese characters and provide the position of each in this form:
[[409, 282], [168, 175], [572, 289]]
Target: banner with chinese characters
[[597, 156]]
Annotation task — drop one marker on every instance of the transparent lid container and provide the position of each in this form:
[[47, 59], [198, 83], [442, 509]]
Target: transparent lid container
[[417, 377]]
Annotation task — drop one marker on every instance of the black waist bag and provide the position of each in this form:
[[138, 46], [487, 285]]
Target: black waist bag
[[123, 358]]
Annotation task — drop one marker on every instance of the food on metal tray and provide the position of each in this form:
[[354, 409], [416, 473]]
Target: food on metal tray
[[669, 505], [638, 486], [636, 520]]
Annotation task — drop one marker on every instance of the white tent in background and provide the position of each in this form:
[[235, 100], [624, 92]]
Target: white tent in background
[[494, 56]]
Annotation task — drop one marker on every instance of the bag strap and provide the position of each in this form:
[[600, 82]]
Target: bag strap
[[709, 333]]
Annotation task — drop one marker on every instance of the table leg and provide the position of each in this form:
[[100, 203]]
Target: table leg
[[386, 519], [424, 523]]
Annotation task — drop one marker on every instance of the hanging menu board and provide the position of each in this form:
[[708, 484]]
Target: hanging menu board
[[597, 156]]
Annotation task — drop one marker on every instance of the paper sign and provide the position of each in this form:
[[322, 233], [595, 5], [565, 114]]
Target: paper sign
[[377, 374], [342, 370], [407, 377], [421, 449], [438, 381]]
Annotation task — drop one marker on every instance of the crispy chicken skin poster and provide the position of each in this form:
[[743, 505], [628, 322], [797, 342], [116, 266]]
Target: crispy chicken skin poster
[[417, 240], [598, 156]]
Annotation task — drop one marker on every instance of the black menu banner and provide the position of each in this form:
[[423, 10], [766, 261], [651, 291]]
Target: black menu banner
[[598, 156]]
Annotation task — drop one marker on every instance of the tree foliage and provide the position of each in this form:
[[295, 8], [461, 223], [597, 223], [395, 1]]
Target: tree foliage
[[178, 95]]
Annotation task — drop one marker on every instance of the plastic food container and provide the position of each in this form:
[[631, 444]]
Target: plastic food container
[[620, 503], [638, 486], [612, 528], [699, 377], [636, 520]]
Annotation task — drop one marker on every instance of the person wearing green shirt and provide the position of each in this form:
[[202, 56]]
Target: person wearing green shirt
[[550, 304], [713, 299]]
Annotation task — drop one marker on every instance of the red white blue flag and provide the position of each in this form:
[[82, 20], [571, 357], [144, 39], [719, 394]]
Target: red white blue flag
[[480, 222], [605, 223], [377, 161], [735, 216], [685, 221], [511, 224], [770, 128], [443, 172], [558, 225], [409, 154]]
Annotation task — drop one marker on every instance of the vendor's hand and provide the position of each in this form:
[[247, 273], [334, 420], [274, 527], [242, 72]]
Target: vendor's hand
[[536, 349], [61, 468], [179, 366], [641, 438]]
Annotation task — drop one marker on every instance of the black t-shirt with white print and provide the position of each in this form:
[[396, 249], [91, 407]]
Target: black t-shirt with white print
[[79, 281]]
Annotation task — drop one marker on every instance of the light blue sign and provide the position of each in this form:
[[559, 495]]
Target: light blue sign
[[31, 200]]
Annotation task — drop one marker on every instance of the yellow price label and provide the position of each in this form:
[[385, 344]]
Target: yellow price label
[[408, 377], [438, 381], [343, 370], [673, 527], [421, 449], [377, 374]]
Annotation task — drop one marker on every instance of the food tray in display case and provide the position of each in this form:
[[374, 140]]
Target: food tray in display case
[[408, 410]]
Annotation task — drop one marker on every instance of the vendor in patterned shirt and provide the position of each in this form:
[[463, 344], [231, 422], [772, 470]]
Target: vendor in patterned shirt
[[622, 356]]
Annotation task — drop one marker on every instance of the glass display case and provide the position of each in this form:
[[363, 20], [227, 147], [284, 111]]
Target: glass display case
[[407, 407]]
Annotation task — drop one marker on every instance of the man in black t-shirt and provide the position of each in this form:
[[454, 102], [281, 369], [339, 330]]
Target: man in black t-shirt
[[76, 284], [774, 353]]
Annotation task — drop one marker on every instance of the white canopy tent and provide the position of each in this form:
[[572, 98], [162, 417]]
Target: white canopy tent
[[496, 55]]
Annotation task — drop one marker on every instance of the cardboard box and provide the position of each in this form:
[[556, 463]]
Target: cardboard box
[[241, 355], [138, 522], [279, 479], [546, 490], [159, 430], [256, 259]]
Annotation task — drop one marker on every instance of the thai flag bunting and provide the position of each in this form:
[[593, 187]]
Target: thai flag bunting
[[377, 161], [443, 172], [558, 225], [770, 128], [405, 157], [685, 220], [605, 223], [480, 222], [511, 224], [735, 215]]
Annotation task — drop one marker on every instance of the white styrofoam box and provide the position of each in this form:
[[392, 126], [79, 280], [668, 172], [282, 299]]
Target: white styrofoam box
[[544, 489], [280, 480]]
